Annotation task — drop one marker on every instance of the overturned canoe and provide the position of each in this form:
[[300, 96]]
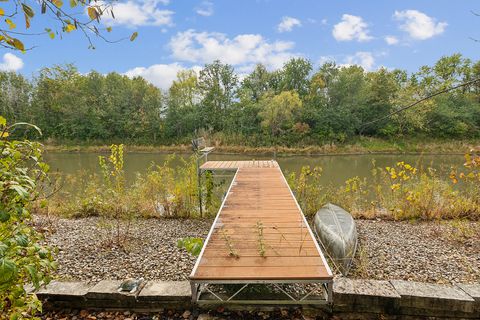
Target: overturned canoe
[[336, 230]]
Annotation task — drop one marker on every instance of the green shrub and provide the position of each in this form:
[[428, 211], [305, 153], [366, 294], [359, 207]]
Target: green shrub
[[23, 260], [192, 245]]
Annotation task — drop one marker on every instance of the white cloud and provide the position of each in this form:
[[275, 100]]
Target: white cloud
[[11, 62], [351, 28], [242, 51], [362, 58], [288, 23], [160, 75], [134, 13], [418, 25], [205, 9], [391, 40], [325, 59]]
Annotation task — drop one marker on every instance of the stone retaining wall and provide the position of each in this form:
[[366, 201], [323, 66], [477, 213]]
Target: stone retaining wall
[[352, 299]]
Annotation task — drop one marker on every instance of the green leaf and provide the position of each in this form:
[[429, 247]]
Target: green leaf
[[4, 216], [109, 29], [22, 192], [73, 3], [22, 240], [196, 249], [3, 248], [192, 245], [134, 36], [43, 254], [32, 271], [180, 243], [8, 271]]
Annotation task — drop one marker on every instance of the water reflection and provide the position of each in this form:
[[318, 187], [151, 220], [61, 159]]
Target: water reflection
[[336, 168]]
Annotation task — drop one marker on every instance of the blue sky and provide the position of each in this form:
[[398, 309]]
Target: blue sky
[[178, 34]]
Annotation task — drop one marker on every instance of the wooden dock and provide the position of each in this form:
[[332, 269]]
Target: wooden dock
[[234, 165], [260, 233]]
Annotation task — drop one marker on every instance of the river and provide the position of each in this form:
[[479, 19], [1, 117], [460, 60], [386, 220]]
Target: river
[[336, 168]]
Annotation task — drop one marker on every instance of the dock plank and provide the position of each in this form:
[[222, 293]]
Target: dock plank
[[263, 224]]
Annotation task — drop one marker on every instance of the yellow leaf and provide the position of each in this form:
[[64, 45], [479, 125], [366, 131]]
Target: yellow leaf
[[3, 121], [58, 3], [10, 23], [92, 13], [18, 44], [109, 29], [70, 28], [51, 35], [73, 3], [2, 12], [5, 134], [133, 36]]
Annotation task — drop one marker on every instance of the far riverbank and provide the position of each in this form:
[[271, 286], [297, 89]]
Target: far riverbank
[[360, 146]]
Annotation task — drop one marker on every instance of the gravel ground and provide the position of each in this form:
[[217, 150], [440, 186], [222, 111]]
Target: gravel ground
[[86, 252], [441, 252]]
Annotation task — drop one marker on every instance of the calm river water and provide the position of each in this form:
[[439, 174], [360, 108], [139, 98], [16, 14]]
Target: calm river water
[[336, 168]]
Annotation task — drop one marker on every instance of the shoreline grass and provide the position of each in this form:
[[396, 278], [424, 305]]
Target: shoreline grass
[[360, 146]]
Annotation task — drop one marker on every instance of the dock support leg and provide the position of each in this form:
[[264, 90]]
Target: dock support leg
[[330, 292], [194, 287], [199, 178]]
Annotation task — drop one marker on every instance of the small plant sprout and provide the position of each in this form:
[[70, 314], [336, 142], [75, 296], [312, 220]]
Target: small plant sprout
[[261, 239], [192, 245], [228, 242]]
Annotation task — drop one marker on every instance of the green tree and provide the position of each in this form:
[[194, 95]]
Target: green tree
[[277, 113], [295, 76], [15, 94], [217, 83], [347, 96], [182, 104], [256, 84], [381, 91]]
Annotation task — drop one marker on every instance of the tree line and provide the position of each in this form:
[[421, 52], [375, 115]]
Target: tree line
[[294, 105]]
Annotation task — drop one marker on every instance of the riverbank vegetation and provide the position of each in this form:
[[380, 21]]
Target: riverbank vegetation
[[397, 192], [400, 191], [164, 190], [296, 107]]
